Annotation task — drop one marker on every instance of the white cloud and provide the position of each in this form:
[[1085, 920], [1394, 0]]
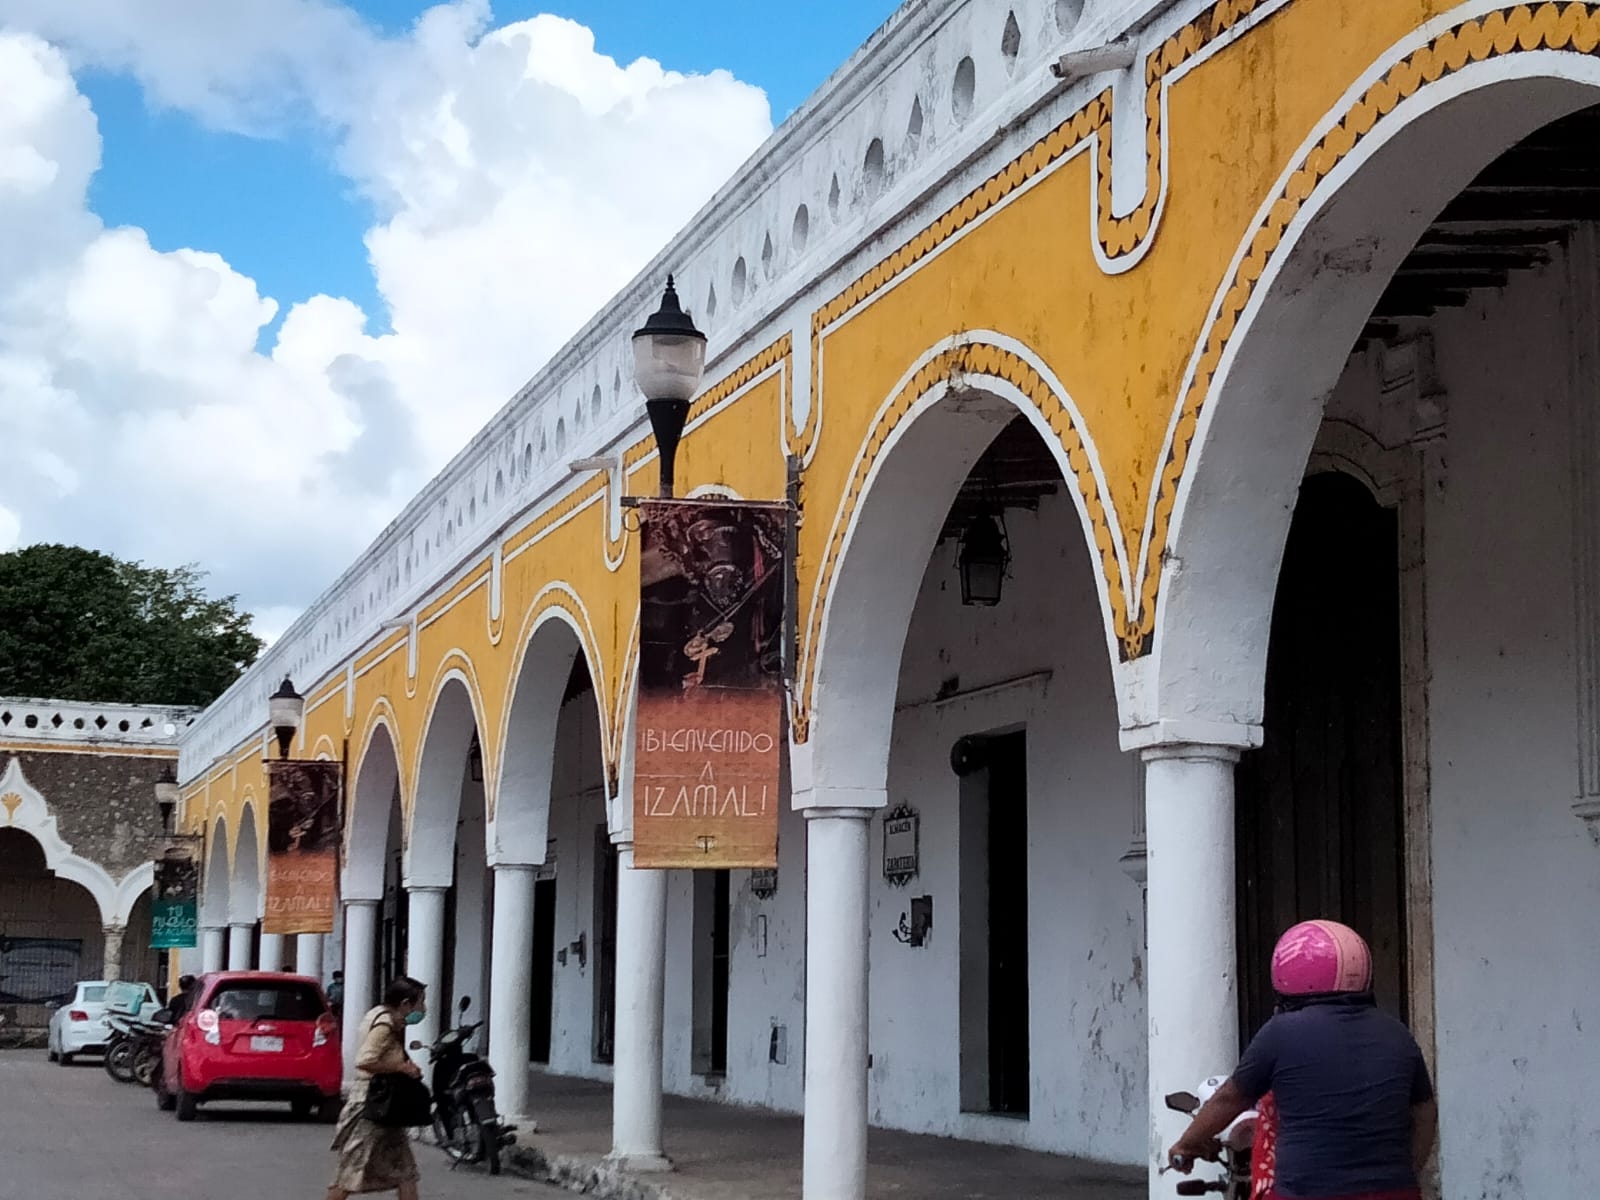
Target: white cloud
[[137, 414]]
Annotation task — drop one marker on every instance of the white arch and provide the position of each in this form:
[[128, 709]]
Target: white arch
[[430, 848], [134, 885], [23, 807], [1205, 677], [374, 795], [891, 536], [245, 900], [215, 890], [520, 824]]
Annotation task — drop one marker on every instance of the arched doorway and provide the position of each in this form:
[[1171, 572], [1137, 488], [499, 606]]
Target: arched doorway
[[1321, 806], [1453, 354], [998, 910], [50, 931]]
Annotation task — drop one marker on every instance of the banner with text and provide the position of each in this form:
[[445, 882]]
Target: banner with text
[[708, 749], [175, 906], [302, 847]]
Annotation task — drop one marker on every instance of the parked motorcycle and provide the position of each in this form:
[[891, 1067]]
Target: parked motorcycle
[[466, 1124], [1234, 1146], [133, 1049]]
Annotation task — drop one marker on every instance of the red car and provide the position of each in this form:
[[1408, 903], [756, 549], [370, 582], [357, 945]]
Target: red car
[[253, 1035]]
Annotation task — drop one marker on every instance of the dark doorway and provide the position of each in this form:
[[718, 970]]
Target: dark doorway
[[1321, 816], [541, 1007], [719, 975], [605, 945], [1009, 1068], [712, 916]]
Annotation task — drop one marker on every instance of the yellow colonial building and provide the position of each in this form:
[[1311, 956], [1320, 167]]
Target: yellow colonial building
[[1261, 338]]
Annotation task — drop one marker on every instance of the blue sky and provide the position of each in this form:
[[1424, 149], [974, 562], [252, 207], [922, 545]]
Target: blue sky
[[275, 209]]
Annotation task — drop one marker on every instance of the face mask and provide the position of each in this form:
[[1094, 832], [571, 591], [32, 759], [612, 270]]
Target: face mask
[[414, 1017]]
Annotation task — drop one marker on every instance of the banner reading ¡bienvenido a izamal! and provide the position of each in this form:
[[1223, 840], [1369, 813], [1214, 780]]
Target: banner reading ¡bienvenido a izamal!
[[708, 748], [175, 904], [302, 846]]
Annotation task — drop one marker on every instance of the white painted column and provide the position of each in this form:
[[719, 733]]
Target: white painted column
[[270, 954], [111, 964], [213, 949], [510, 985], [425, 959], [360, 988], [308, 955], [1193, 994], [641, 992], [836, 1003], [239, 939]]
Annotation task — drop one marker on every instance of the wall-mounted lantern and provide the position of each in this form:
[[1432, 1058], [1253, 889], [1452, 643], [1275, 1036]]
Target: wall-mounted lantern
[[984, 559]]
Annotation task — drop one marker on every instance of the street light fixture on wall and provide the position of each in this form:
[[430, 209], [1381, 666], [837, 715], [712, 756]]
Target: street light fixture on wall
[[669, 357], [167, 797], [985, 556], [286, 708]]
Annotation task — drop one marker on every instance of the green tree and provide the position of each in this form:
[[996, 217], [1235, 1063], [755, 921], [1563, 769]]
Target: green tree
[[76, 624]]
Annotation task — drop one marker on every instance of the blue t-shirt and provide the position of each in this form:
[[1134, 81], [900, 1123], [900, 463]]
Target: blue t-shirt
[[1345, 1076]]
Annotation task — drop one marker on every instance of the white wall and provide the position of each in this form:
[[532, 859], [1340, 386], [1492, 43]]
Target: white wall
[[1516, 878], [577, 806], [1085, 924]]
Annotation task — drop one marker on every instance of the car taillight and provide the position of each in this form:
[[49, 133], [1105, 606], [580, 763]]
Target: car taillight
[[77, 1014], [209, 1025], [326, 1028]]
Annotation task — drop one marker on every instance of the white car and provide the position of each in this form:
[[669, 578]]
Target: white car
[[80, 1027]]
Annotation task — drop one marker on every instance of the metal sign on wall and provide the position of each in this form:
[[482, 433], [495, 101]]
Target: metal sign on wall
[[902, 845], [175, 905], [709, 744], [302, 846]]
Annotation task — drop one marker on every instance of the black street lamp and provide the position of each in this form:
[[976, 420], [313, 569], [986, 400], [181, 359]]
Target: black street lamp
[[669, 357], [167, 797], [286, 708], [985, 556]]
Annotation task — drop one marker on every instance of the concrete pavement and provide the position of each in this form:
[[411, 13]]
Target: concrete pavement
[[723, 1152], [74, 1134]]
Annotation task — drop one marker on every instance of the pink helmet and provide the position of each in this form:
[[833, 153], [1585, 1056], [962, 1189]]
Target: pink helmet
[[1317, 957]]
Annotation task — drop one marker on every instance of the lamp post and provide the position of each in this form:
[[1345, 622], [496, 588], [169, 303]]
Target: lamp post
[[286, 708], [669, 357], [167, 797]]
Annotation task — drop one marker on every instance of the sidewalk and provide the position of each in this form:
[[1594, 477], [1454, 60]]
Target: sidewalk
[[727, 1153]]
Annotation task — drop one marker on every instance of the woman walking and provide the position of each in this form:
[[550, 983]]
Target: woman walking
[[373, 1157]]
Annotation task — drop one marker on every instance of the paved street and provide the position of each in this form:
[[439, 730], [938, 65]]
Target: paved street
[[74, 1134]]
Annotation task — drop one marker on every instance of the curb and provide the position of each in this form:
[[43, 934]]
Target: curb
[[586, 1176]]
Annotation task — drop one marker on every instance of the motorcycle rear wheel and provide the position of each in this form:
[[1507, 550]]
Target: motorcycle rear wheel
[[119, 1061]]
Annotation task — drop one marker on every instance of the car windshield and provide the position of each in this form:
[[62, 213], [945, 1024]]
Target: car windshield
[[249, 1001], [92, 993]]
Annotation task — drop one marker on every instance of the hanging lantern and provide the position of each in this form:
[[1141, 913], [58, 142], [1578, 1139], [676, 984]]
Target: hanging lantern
[[984, 559]]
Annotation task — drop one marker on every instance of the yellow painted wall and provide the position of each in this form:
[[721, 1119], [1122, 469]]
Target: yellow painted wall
[[1018, 256]]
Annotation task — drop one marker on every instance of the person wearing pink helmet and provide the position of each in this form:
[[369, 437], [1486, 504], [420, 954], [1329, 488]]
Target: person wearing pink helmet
[[1356, 1109]]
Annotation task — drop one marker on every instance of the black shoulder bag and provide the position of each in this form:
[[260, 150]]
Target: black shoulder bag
[[397, 1101]]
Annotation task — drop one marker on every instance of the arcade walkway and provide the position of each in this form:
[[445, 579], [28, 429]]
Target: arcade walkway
[[727, 1153]]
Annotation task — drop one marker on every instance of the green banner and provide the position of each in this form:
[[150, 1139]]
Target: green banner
[[174, 924]]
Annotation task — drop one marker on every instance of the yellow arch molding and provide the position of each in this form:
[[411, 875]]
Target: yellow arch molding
[[971, 360], [1522, 28]]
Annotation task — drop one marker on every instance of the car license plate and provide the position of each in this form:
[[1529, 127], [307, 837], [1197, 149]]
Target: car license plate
[[267, 1045]]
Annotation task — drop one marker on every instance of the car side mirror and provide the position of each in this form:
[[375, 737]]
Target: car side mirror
[[163, 1016]]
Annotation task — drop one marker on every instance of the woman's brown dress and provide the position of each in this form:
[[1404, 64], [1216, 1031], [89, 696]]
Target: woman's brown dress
[[371, 1157]]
